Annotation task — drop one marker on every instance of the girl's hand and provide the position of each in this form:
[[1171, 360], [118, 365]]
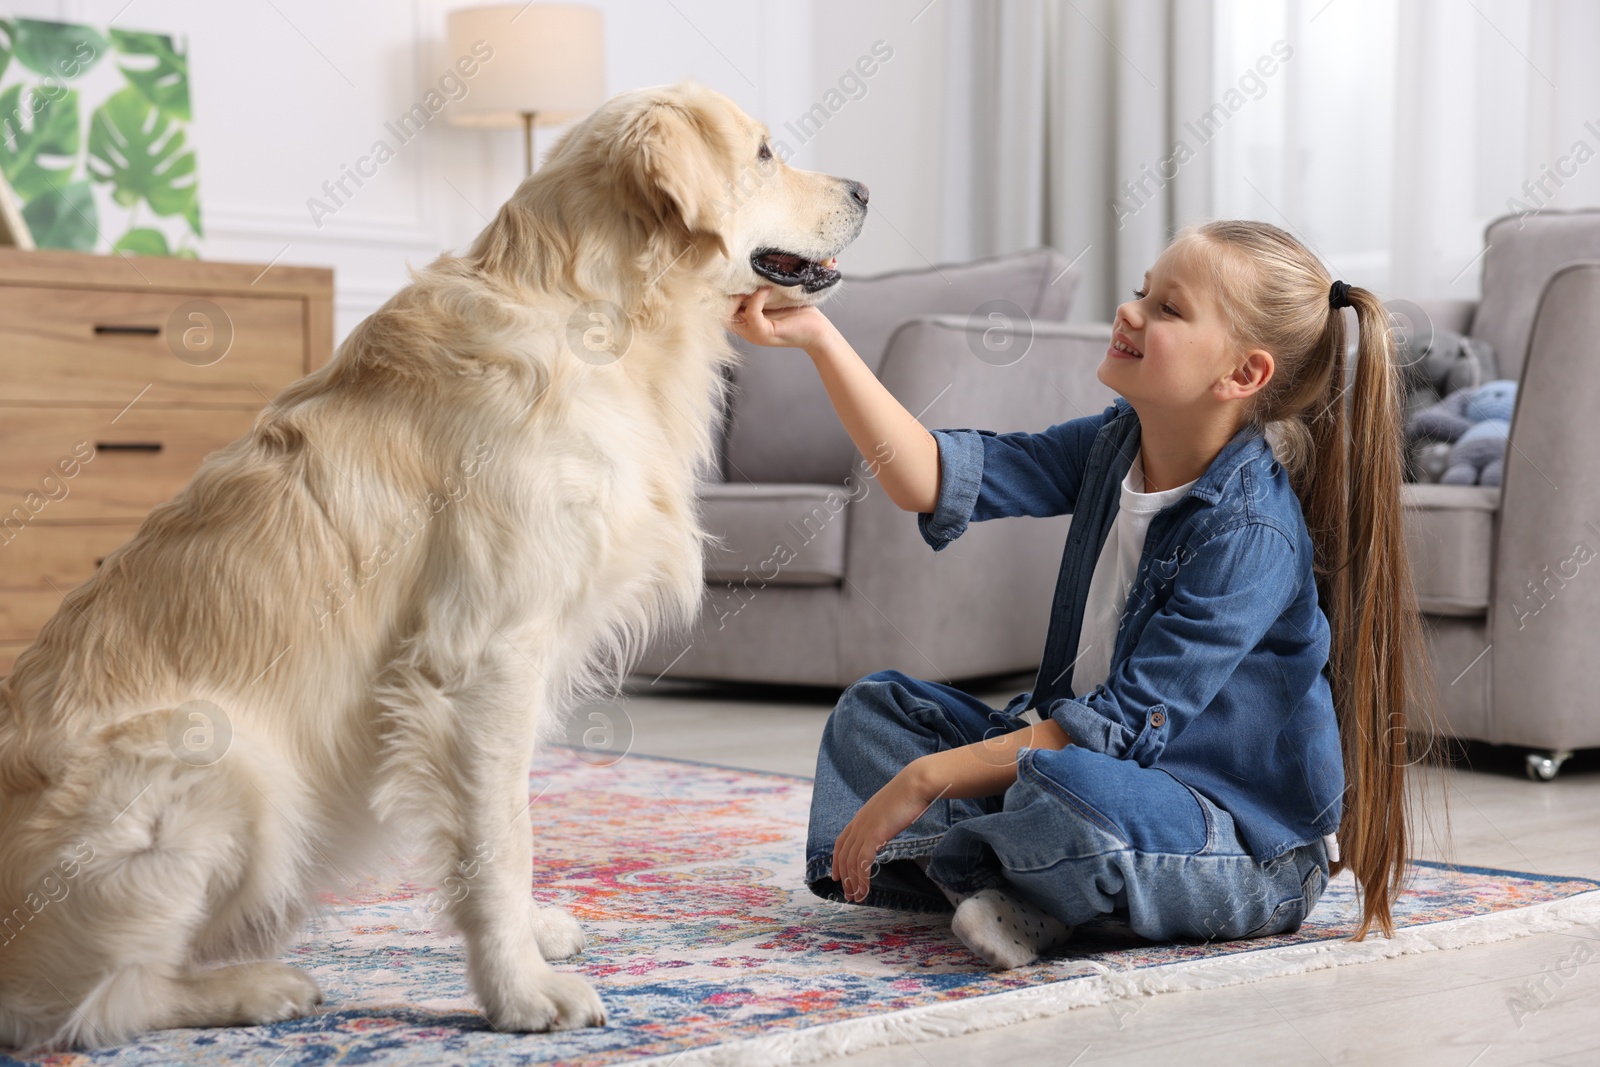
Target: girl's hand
[[793, 327], [893, 808], [982, 769]]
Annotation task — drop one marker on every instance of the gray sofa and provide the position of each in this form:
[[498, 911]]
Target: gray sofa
[[1507, 576], [820, 578]]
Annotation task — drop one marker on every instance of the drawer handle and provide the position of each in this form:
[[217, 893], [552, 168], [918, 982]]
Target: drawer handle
[[137, 331], [127, 446]]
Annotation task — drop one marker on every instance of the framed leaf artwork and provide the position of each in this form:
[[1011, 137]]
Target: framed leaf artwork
[[13, 229], [94, 137]]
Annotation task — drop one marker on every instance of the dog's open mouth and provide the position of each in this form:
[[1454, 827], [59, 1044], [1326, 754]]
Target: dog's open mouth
[[786, 268]]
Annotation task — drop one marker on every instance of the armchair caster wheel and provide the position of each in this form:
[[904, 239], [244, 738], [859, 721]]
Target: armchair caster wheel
[[1544, 766]]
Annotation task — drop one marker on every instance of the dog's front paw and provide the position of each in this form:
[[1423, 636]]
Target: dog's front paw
[[558, 1002], [557, 932]]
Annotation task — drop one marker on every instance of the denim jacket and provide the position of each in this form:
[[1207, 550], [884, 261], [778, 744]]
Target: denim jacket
[[1220, 671]]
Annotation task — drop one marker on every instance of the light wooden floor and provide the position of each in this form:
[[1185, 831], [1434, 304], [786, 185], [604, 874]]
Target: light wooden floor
[[1449, 1008]]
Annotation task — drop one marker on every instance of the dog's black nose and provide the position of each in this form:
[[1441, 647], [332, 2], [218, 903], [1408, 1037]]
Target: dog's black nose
[[859, 191]]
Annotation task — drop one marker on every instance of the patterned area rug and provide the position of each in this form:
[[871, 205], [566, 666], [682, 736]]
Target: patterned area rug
[[708, 949]]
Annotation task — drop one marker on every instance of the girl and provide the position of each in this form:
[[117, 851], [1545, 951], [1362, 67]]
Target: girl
[[1200, 745]]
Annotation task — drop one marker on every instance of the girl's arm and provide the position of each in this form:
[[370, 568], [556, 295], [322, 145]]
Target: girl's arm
[[875, 420], [984, 769]]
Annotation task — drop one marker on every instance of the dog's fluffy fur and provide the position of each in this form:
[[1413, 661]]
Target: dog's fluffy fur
[[387, 592]]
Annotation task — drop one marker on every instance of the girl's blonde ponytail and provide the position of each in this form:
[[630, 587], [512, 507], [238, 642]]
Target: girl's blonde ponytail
[[1380, 658]]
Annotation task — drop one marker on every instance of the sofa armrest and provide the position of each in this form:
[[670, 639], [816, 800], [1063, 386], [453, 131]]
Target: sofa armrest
[[1545, 599], [981, 606]]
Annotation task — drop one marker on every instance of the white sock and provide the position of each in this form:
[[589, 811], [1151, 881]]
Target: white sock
[[1005, 931]]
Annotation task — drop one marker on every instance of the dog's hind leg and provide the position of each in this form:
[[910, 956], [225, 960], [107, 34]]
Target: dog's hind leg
[[460, 747], [146, 850], [135, 999]]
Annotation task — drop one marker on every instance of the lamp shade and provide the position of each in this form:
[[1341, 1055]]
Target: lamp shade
[[549, 60]]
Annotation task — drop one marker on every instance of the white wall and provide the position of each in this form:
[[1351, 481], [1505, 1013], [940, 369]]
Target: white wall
[[286, 93]]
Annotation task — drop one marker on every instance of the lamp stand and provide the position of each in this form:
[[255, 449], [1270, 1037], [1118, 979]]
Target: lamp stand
[[527, 140]]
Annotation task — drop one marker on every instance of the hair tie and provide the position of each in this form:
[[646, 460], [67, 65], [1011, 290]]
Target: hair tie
[[1339, 295]]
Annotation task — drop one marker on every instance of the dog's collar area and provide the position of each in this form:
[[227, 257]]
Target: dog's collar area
[[788, 268]]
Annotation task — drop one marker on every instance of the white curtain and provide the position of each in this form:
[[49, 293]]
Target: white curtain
[[1498, 112], [1052, 105], [1385, 134]]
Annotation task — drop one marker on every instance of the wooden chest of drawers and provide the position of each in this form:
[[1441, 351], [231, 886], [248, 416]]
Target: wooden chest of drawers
[[117, 377]]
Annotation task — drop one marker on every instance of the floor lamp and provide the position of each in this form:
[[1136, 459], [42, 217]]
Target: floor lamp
[[537, 64]]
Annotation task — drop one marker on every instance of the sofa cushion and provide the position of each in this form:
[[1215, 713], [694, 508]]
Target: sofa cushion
[[1522, 254], [784, 430], [774, 534], [1450, 539]]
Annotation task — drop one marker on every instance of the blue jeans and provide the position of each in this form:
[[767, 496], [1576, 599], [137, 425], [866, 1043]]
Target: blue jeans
[[1080, 834]]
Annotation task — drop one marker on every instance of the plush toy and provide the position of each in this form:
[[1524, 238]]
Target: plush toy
[[1479, 455], [1474, 424], [1436, 362]]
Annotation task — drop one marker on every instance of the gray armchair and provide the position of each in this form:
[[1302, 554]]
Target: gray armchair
[[820, 578], [1508, 576]]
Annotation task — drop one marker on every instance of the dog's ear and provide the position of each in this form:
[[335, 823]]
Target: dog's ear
[[669, 161]]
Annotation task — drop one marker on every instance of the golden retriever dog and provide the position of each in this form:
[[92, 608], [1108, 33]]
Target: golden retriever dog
[[359, 619]]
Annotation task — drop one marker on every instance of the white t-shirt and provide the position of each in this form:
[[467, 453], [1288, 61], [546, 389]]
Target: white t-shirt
[[1114, 574]]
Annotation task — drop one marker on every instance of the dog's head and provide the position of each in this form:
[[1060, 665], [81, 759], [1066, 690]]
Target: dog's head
[[698, 171]]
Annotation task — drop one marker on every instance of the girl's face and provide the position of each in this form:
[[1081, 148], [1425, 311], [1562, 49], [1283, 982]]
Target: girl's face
[[1170, 345]]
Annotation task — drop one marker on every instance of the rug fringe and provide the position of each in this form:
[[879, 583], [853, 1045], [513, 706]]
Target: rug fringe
[[954, 1018]]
